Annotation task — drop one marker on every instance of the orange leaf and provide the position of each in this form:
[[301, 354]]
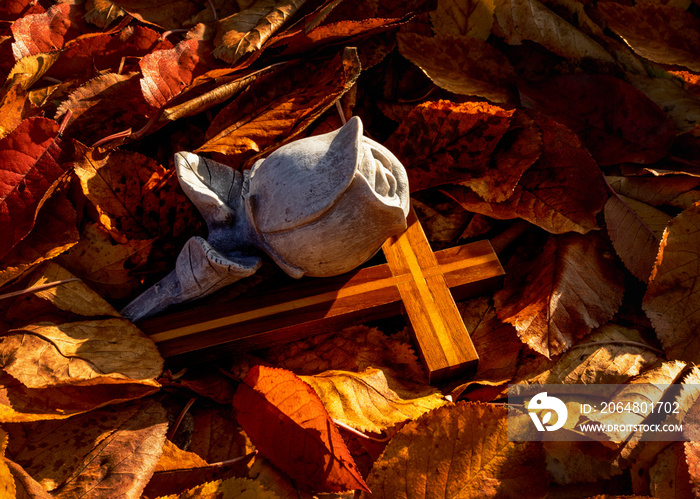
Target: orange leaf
[[30, 168], [459, 451], [555, 295], [279, 106], [36, 33], [672, 300], [441, 142], [563, 191], [615, 121], [287, 422]]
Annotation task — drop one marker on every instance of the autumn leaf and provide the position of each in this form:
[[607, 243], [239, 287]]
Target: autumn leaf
[[216, 436], [557, 295], [166, 14], [635, 230], [102, 13], [677, 191], [54, 233], [672, 300], [47, 31], [461, 65], [232, 487], [520, 20], [7, 482], [562, 191], [101, 453], [25, 486], [246, 31], [274, 407], [441, 137], [668, 93], [669, 475], [203, 380], [472, 18], [614, 120], [459, 450], [661, 33], [280, 106], [30, 168], [368, 401], [692, 457]]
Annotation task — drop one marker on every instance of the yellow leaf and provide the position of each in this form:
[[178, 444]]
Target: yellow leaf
[[368, 401], [233, 488], [7, 481]]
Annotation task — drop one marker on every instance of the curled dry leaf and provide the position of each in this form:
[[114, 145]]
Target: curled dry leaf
[[669, 94], [441, 142], [562, 192], [103, 454], [556, 296], [472, 18], [102, 13], [677, 191], [246, 31], [41, 356], [47, 31], [456, 451], [280, 105], [612, 354], [635, 229], [672, 300], [54, 233], [288, 424], [73, 296], [615, 121], [461, 65], [30, 169], [661, 33], [232, 487], [520, 20], [166, 14], [25, 486], [368, 401]]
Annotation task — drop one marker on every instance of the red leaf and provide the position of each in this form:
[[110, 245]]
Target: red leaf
[[11, 10], [288, 424], [29, 171], [167, 72], [615, 121], [48, 31]]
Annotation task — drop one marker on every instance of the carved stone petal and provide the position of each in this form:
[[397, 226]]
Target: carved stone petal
[[300, 181]]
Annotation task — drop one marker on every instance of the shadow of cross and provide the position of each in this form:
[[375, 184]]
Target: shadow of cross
[[414, 279]]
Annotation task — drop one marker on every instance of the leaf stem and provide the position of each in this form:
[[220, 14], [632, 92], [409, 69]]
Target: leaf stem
[[621, 342], [173, 430], [359, 433], [41, 287]]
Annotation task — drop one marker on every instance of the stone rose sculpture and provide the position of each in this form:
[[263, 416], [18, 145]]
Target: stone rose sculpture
[[319, 206]]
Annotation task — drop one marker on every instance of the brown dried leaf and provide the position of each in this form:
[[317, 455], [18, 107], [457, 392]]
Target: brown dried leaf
[[692, 459], [669, 95], [615, 121], [30, 169], [48, 31], [443, 142], [288, 424], [46, 355], [520, 20], [166, 14], [456, 451], [557, 295], [677, 191], [103, 454], [135, 197], [461, 65], [73, 296], [635, 230], [102, 13], [7, 481], [230, 488], [245, 32], [352, 349], [472, 18], [669, 474], [580, 462], [612, 355], [279, 106], [26, 487], [54, 233], [368, 401], [672, 300], [93, 113], [562, 192], [204, 380], [660, 33], [106, 264], [216, 436], [496, 343]]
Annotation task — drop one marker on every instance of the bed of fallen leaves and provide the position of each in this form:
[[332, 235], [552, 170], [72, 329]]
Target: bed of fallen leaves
[[566, 131]]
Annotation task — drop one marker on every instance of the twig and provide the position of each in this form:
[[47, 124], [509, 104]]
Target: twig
[[41, 287], [114, 136], [172, 431], [340, 111], [359, 433], [236, 460]]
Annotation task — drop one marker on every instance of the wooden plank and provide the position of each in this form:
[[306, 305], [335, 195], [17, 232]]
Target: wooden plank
[[210, 330], [444, 344]]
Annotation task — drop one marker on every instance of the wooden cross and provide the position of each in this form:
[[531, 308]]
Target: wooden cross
[[413, 277]]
